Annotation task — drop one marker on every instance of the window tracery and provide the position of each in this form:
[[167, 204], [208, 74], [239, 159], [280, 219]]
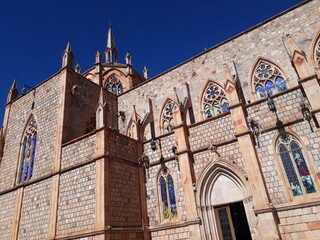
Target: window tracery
[[114, 85], [295, 165], [214, 101], [167, 195], [268, 79], [167, 121], [28, 151], [91, 124], [317, 52]]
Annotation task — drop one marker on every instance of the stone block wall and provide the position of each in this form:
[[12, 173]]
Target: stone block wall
[[34, 219], [124, 194], [300, 223], [78, 152], [45, 98], [76, 206], [216, 131], [167, 142], [7, 210], [123, 147], [126, 236], [288, 109], [181, 233]]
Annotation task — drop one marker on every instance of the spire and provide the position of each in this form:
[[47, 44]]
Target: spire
[[111, 51], [128, 58], [176, 97], [13, 91], [67, 57], [145, 72]]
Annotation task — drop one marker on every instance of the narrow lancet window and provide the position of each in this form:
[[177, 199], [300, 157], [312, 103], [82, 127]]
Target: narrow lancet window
[[167, 195], [28, 151], [295, 166], [114, 85], [214, 101], [267, 78], [167, 121], [91, 124]]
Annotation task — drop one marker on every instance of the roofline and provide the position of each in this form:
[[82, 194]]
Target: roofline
[[220, 44]]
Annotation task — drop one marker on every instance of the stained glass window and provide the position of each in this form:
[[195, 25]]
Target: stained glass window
[[214, 101], [114, 85], [28, 151], [167, 117], [167, 194], [91, 123], [268, 79], [295, 166], [317, 52]]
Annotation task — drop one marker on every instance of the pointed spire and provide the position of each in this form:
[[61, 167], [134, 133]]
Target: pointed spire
[[98, 57], [67, 57], [13, 91], [101, 111], [230, 87], [145, 72], [135, 114], [227, 73], [111, 51], [299, 60]]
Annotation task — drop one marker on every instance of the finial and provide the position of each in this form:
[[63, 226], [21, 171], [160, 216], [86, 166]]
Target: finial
[[13, 91], [67, 57], [145, 72], [176, 98], [98, 57], [128, 58], [77, 68], [111, 51]]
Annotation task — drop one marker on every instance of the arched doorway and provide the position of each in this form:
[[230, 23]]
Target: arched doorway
[[224, 203]]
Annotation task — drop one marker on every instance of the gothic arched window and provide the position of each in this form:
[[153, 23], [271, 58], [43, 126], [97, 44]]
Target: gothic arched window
[[91, 124], [28, 151], [267, 78], [295, 165], [214, 101], [114, 85], [167, 195], [316, 52], [167, 121]]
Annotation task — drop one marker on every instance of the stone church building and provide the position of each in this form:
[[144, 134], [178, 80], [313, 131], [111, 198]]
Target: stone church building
[[222, 146]]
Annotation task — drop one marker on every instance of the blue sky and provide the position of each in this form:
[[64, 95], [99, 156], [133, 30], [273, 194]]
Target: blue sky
[[159, 34]]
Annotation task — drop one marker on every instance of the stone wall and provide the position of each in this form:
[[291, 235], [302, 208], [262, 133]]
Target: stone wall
[[300, 223], [7, 210], [167, 142], [181, 233], [35, 209], [76, 207], [78, 152], [124, 194], [45, 97]]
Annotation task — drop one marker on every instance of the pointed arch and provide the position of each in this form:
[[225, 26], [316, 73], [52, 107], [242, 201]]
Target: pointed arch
[[166, 195], [132, 126], [114, 84], [166, 118], [28, 150], [266, 77], [315, 51], [91, 121], [213, 100], [293, 161]]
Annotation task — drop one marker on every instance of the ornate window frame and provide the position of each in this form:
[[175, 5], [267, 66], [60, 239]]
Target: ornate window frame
[[27, 151], [91, 123], [300, 165], [315, 52], [214, 100], [114, 84], [166, 187], [166, 117], [267, 77]]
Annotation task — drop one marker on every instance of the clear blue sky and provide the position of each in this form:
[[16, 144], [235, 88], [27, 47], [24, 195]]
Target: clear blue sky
[[159, 34]]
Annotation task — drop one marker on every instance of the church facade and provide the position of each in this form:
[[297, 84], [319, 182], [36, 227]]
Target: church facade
[[222, 146]]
